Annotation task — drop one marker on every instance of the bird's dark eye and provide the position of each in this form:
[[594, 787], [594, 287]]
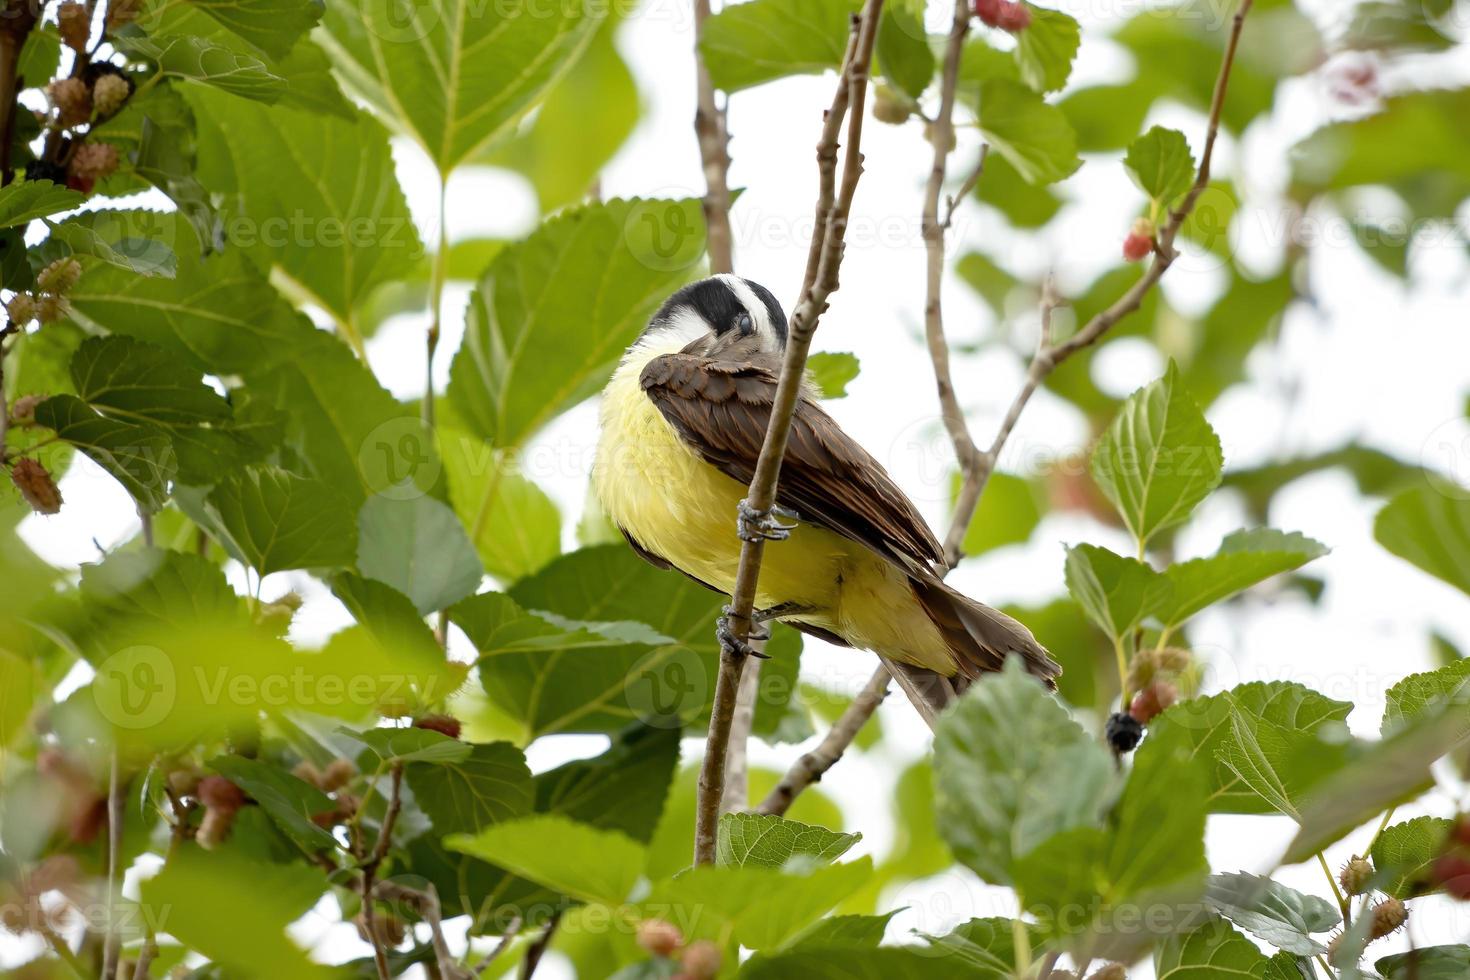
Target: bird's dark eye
[[743, 325]]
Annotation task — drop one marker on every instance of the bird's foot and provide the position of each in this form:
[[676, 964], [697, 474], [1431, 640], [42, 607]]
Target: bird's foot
[[762, 525], [733, 645]]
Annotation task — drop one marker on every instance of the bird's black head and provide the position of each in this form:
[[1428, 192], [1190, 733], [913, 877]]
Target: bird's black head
[[721, 304]]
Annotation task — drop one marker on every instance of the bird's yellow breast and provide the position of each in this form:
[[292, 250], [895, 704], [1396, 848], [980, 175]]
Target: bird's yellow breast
[[683, 509]]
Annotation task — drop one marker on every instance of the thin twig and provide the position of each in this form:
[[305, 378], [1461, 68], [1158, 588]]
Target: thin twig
[[370, 869], [711, 127], [62, 950], [941, 136], [813, 765], [146, 955], [506, 938], [952, 201], [538, 948], [427, 902], [19, 18], [116, 805], [1049, 354], [823, 262], [737, 768]]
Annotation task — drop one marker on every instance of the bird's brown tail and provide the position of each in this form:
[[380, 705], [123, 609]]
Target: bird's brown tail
[[981, 638]]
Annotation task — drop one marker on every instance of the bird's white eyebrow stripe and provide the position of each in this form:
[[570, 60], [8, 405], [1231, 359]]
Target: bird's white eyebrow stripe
[[752, 303]]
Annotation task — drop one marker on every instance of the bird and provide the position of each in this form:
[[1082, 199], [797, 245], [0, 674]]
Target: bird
[[682, 421]]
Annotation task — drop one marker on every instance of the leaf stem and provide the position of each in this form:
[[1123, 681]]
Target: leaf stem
[[1021, 939], [1342, 902]]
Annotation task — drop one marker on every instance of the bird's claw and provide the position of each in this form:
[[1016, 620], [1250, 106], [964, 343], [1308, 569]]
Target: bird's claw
[[762, 525], [734, 645]]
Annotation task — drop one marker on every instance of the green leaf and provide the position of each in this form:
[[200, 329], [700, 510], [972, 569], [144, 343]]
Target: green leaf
[[140, 256], [760, 908], [903, 53], [1031, 134], [313, 196], [1151, 856], [207, 61], [137, 456], [768, 841], [839, 963], [1214, 951], [559, 673], [1201, 728], [454, 75], [417, 546], [1107, 117], [1025, 205], [1429, 527], [514, 525], [750, 43], [993, 283], [554, 313], [1404, 854], [274, 26], [1284, 966], [832, 372], [583, 121], [266, 898], [1007, 513], [1269, 910], [1386, 774], [1159, 458], [844, 930], [1117, 593], [1013, 770], [489, 785], [411, 745], [572, 858], [143, 383], [985, 947], [291, 802], [272, 520], [623, 789], [1046, 49], [1161, 164], [388, 615], [1245, 558], [1412, 696], [26, 200], [1429, 963], [1281, 765]]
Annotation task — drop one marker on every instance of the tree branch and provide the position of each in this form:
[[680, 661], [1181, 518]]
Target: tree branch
[[1049, 355], [431, 912], [370, 870], [711, 128], [821, 280]]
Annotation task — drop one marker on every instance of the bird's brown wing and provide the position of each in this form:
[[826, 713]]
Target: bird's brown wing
[[719, 397]]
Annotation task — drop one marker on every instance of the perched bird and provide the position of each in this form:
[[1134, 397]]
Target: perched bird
[[683, 419]]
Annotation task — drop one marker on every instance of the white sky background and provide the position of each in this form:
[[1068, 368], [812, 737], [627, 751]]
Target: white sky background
[[1376, 361]]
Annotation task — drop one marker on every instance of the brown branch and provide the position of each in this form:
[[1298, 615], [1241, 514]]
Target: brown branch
[[711, 127], [16, 21], [821, 280], [813, 765], [1048, 355], [941, 137], [506, 938], [538, 948], [370, 870], [116, 807], [737, 769], [427, 901]]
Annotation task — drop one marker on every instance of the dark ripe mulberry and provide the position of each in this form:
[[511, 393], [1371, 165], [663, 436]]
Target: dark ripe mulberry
[[1123, 732], [46, 170], [443, 724]]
